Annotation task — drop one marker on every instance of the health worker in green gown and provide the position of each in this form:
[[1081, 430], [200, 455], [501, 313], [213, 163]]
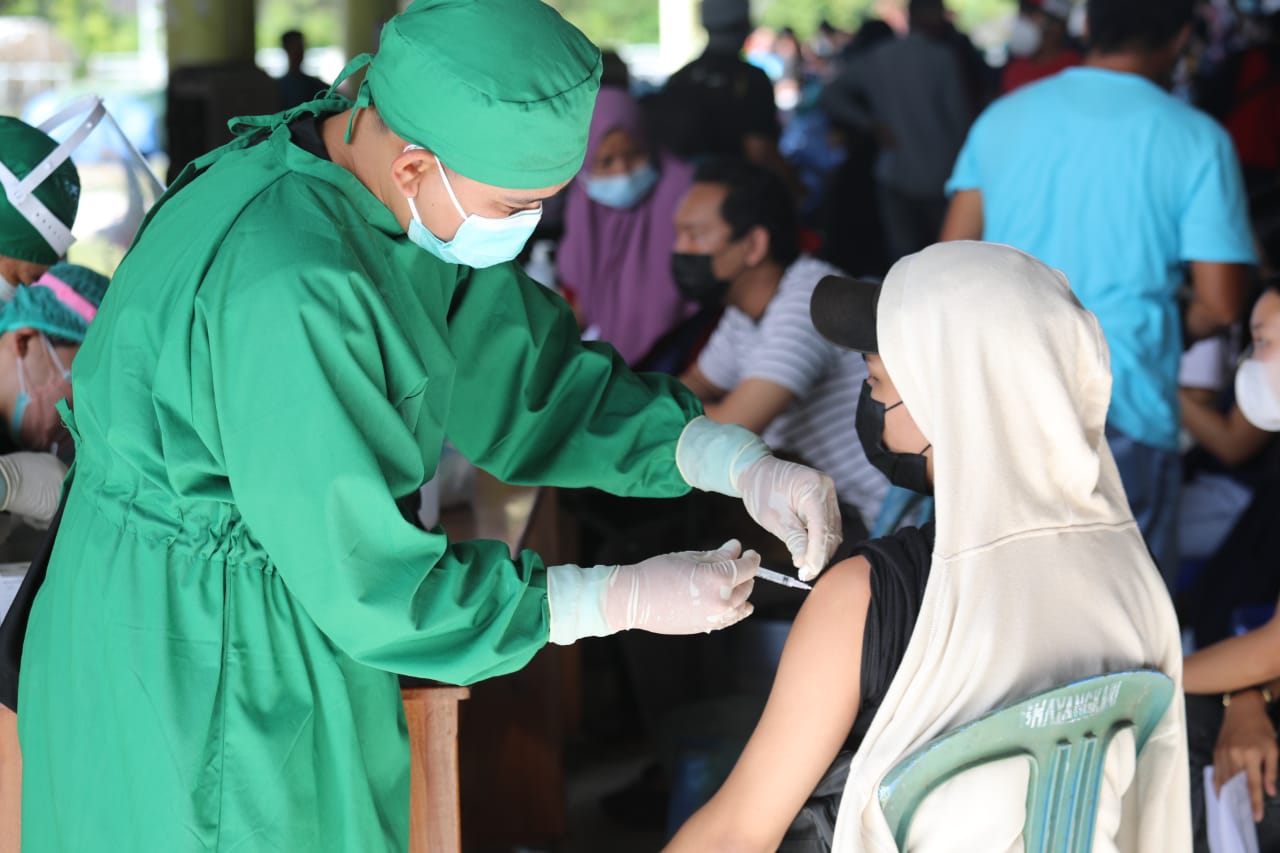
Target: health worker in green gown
[[305, 317]]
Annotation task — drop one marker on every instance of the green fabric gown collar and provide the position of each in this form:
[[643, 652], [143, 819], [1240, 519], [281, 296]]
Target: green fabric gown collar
[[274, 130]]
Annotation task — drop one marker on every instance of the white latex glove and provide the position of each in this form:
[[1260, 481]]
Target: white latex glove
[[794, 503], [798, 505], [711, 455], [32, 484], [689, 592]]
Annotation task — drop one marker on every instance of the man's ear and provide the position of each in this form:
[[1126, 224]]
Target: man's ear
[[758, 245], [22, 339], [408, 170]]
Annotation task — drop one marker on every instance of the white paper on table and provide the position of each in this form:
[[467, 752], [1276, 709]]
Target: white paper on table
[[11, 575], [1229, 815]]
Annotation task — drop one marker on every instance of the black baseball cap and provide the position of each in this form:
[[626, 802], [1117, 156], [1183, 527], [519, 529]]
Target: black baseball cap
[[844, 312]]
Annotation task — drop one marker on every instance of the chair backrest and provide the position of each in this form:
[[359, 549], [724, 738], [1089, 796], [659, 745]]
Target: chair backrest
[[1064, 732]]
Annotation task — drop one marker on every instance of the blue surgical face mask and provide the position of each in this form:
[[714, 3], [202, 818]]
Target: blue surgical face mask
[[622, 191], [481, 241], [7, 290]]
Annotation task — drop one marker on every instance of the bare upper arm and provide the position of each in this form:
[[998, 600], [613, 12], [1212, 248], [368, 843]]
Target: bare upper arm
[[1236, 662], [1217, 298], [964, 217], [811, 709], [1229, 437], [754, 403], [1246, 439]]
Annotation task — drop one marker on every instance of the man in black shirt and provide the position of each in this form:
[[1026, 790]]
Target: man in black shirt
[[718, 104], [296, 86]]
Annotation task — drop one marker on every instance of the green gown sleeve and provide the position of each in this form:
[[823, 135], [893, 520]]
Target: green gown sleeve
[[317, 446], [532, 404]]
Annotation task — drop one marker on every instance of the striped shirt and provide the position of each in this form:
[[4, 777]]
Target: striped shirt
[[785, 348]]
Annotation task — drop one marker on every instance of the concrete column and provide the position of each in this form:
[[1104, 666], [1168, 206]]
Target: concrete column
[[363, 20], [209, 32], [680, 35]]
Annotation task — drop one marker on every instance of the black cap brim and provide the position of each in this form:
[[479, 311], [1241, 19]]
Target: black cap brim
[[844, 312]]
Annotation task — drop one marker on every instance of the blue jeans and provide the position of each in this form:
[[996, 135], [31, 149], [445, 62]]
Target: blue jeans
[[1152, 480]]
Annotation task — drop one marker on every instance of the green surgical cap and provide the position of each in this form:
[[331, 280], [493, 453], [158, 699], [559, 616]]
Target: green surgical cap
[[22, 148], [500, 90], [61, 303]]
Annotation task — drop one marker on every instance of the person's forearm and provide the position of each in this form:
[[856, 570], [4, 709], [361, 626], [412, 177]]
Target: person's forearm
[[965, 218], [754, 404], [1210, 429], [710, 830], [722, 411], [1218, 292], [1236, 663], [704, 392], [1229, 437], [1204, 321]]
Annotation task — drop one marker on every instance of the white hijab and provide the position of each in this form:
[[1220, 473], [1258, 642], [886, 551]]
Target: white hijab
[[1039, 573]]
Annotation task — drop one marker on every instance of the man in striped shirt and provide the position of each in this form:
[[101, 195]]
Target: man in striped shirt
[[765, 366]]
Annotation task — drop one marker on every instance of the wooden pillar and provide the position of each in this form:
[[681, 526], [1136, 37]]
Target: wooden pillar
[[431, 714], [10, 783]]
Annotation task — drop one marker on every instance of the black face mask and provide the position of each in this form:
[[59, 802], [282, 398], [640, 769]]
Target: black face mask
[[908, 470], [696, 281]]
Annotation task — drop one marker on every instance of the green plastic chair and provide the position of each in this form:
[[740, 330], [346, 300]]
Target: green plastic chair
[[1064, 732]]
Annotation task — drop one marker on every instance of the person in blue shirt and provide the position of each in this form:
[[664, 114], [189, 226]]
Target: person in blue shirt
[[1101, 173]]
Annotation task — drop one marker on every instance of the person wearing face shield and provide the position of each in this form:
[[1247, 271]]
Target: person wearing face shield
[[987, 385], [41, 195], [613, 260], [307, 315]]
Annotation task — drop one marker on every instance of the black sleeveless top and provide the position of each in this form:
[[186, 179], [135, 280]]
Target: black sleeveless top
[[899, 571]]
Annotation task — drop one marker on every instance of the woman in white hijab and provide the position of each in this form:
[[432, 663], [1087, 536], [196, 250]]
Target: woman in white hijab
[[990, 383]]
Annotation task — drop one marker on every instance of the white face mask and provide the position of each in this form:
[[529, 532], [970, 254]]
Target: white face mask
[[1256, 393], [1026, 37], [481, 241], [1077, 21]]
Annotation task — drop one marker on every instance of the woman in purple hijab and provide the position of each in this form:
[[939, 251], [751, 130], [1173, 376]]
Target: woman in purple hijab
[[615, 258]]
